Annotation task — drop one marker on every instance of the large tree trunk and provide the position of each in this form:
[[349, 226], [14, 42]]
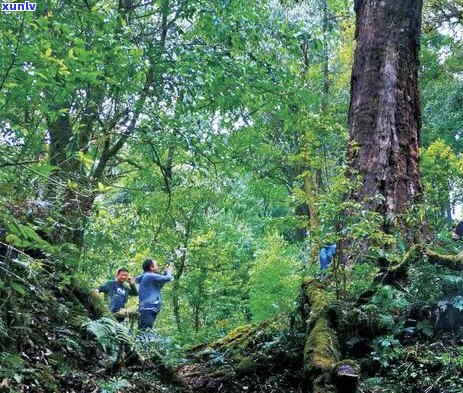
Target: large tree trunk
[[384, 114], [384, 125]]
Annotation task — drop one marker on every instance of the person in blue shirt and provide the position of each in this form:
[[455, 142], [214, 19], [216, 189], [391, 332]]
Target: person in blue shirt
[[117, 292], [326, 254], [149, 292]]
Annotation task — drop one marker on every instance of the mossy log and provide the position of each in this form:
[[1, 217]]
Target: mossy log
[[246, 359], [129, 313], [323, 361], [237, 338], [240, 340], [321, 352]]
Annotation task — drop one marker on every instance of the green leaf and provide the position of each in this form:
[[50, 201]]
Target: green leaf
[[19, 288], [425, 327]]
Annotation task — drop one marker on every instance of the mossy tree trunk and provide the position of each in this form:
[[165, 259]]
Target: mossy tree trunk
[[384, 126]]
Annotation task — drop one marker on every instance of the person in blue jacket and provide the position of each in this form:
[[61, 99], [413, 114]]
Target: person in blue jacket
[[326, 254], [117, 292], [149, 292]]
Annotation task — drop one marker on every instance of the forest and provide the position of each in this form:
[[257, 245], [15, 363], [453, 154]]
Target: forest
[[294, 168]]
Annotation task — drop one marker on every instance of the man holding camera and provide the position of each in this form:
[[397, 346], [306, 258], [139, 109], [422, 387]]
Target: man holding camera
[[150, 284], [116, 290]]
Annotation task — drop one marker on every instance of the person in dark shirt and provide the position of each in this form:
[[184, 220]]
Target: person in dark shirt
[[150, 284], [457, 232], [117, 292]]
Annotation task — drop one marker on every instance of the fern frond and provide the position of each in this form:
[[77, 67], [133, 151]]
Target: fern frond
[[109, 333]]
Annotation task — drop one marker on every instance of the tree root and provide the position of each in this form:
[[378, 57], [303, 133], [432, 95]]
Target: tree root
[[454, 262], [391, 274]]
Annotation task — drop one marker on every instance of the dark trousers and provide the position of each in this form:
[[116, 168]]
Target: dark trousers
[[147, 318]]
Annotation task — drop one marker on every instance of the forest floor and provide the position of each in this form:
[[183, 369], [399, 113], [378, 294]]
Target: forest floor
[[52, 352], [55, 336]]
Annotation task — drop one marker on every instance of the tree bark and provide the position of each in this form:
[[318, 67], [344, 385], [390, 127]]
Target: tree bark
[[60, 132], [384, 113]]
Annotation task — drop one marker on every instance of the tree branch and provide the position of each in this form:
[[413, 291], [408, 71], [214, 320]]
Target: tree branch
[[15, 53]]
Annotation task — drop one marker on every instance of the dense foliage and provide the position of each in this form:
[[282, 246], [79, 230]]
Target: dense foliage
[[213, 134]]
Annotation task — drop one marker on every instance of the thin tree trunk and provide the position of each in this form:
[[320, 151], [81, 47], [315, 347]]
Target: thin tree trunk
[[311, 192], [179, 268], [176, 305], [326, 59]]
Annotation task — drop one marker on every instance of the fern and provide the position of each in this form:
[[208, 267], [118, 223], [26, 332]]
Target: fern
[[456, 302], [452, 279], [11, 365], [110, 334], [114, 385]]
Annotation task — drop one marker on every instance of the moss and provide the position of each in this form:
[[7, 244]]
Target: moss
[[241, 340], [410, 256], [235, 342], [318, 300], [454, 262], [351, 362], [451, 261], [321, 352], [86, 299], [240, 335], [245, 366]]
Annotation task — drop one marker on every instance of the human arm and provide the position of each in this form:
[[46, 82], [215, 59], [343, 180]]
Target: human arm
[[155, 277], [104, 288], [133, 288]]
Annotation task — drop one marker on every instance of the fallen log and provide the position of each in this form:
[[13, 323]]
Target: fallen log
[[323, 361]]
